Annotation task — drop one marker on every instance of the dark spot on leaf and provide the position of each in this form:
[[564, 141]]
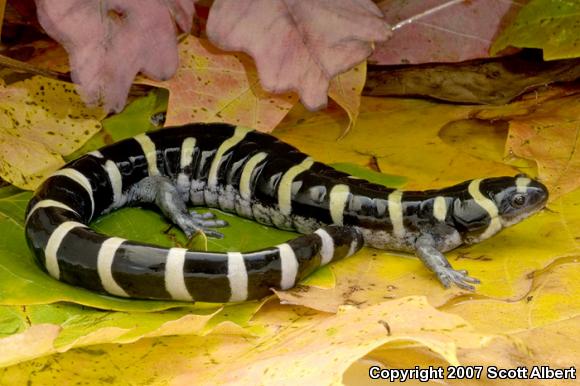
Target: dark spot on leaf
[[386, 326], [116, 15]]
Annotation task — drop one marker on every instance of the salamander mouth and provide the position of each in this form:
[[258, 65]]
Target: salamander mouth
[[507, 221]]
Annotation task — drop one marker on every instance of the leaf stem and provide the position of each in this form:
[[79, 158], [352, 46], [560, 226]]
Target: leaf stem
[[17, 65], [425, 14]]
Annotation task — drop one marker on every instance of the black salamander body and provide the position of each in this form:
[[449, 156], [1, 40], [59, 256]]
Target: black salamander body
[[259, 177]]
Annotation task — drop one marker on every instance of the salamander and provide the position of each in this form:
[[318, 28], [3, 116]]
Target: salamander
[[259, 177]]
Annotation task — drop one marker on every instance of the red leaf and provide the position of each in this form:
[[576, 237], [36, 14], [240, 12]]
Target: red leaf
[[298, 45], [442, 30], [110, 41]]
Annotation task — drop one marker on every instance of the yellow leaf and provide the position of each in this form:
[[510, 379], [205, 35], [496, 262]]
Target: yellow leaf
[[528, 296], [41, 120], [27, 345], [302, 347], [406, 138], [554, 297], [401, 134], [46, 338]]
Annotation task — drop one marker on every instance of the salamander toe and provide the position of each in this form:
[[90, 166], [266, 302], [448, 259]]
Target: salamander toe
[[202, 216], [459, 278]]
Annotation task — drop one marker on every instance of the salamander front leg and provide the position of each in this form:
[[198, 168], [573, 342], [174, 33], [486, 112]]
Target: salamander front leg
[[437, 263], [207, 220], [162, 192]]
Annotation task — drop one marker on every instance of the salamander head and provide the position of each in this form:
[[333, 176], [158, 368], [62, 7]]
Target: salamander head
[[492, 204], [519, 199]]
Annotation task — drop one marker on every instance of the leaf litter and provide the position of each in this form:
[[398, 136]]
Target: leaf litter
[[506, 264], [513, 258]]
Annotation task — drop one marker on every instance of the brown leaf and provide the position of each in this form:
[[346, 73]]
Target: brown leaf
[[490, 81], [551, 137]]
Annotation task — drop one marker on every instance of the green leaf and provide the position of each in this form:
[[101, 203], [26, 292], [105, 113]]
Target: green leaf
[[552, 25], [78, 326], [11, 321], [370, 175], [146, 225], [23, 282], [77, 321]]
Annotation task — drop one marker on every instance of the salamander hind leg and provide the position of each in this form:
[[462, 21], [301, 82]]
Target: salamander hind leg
[[438, 264], [162, 192]]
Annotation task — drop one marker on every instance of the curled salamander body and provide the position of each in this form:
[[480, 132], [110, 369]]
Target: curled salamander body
[[255, 176]]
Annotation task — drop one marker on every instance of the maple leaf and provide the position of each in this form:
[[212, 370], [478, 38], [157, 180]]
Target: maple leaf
[[110, 41], [298, 45], [442, 30], [214, 86]]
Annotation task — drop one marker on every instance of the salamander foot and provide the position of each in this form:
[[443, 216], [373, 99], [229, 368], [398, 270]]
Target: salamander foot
[[161, 191], [438, 264], [202, 222], [460, 278]]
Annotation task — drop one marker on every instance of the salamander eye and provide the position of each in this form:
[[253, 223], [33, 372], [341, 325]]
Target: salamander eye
[[518, 200]]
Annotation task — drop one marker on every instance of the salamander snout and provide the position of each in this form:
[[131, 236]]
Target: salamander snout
[[520, 198]]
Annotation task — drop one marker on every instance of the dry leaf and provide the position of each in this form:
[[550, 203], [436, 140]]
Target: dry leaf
[[345, 89], [491, 81], [301, 347], [41, 120], [551, 137], [214, 86]]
